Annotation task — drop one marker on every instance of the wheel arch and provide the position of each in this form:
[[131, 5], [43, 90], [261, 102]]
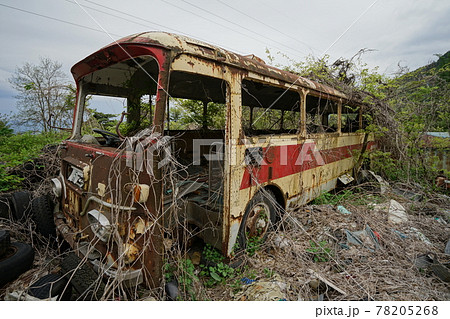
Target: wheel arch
[[279, 196]]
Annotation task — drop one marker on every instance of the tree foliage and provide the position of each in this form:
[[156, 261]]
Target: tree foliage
[[44, 99], [188, 114]]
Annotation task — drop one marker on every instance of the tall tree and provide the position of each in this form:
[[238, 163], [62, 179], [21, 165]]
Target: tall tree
[[44, 95]]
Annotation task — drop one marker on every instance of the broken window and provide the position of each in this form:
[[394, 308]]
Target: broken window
[[128, 86], [268, 109], [185, 114], [197, 102], [321, 115], [350, 119]]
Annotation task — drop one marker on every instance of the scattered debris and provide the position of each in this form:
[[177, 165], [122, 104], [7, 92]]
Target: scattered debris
[[384, 186], [397, 213], [407, 193], [263, 290], [440, 270], [327, 282], [280, 242], [442, 181], [366, 238], [420, 236], [171, 289], [247, 281], [346, 179], [400, 234], [423, 261], [341, 209], [440, 220]]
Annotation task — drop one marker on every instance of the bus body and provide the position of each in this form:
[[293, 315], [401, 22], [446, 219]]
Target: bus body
[[281, 141]]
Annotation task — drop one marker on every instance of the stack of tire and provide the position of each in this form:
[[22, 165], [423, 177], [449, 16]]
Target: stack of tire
[[19, 207], [16, 258]]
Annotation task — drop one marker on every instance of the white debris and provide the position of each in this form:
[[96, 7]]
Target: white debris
[[383, 184], [397, 213], [420, 236], [280, 241]]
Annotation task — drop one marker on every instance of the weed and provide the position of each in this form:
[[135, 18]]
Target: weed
[[321, 251], [187, 276], [169, 270], [268, 272], [253, 244], [211, 254], [184, 273], [333, 199], [217, 271]]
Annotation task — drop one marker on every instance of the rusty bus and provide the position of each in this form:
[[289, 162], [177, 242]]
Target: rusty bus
[[283, 141]]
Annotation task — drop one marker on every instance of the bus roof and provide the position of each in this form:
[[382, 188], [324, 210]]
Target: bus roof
[[181, 44]]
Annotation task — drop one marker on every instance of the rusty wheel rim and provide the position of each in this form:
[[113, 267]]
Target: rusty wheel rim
[[258, 221]]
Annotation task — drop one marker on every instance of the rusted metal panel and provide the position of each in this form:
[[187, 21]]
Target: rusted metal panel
[[180, 44]]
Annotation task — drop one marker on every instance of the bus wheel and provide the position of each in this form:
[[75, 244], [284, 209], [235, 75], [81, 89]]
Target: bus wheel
[[259, 218]]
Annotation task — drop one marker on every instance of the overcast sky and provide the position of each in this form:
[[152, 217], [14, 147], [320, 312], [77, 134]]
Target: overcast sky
[[408, 32]]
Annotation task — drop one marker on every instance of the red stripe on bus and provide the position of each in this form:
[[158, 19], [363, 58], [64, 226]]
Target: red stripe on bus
[[282, 161]]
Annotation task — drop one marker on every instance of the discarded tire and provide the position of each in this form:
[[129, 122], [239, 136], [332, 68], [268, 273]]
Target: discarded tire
[[51, 285], [259, 217], [42, 215], [6, 206], [5, 241], [21, 205], [17, 259], [83, 278]]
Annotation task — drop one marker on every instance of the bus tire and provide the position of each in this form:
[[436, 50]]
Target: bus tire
[[259, 218], [83, 278], [18, 259], [42, 215]]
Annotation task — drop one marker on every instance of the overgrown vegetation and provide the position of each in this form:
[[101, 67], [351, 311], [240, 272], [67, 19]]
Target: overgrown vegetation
[[16, 149], [403, 109]]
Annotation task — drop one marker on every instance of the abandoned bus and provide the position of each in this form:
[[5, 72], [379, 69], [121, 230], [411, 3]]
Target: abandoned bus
[[260, 140]]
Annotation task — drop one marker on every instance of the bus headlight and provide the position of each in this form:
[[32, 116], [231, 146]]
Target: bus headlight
[[100, 225], [56, 187]]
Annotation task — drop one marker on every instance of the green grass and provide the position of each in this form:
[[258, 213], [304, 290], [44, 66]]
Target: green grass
[[19, 148]]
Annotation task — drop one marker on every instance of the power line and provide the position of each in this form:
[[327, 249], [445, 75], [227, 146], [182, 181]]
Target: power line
[[265, 24], [274, 8], [212, 21], [139, 18], [240, 26], [54, 19], [110, 14], [348, 28]]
